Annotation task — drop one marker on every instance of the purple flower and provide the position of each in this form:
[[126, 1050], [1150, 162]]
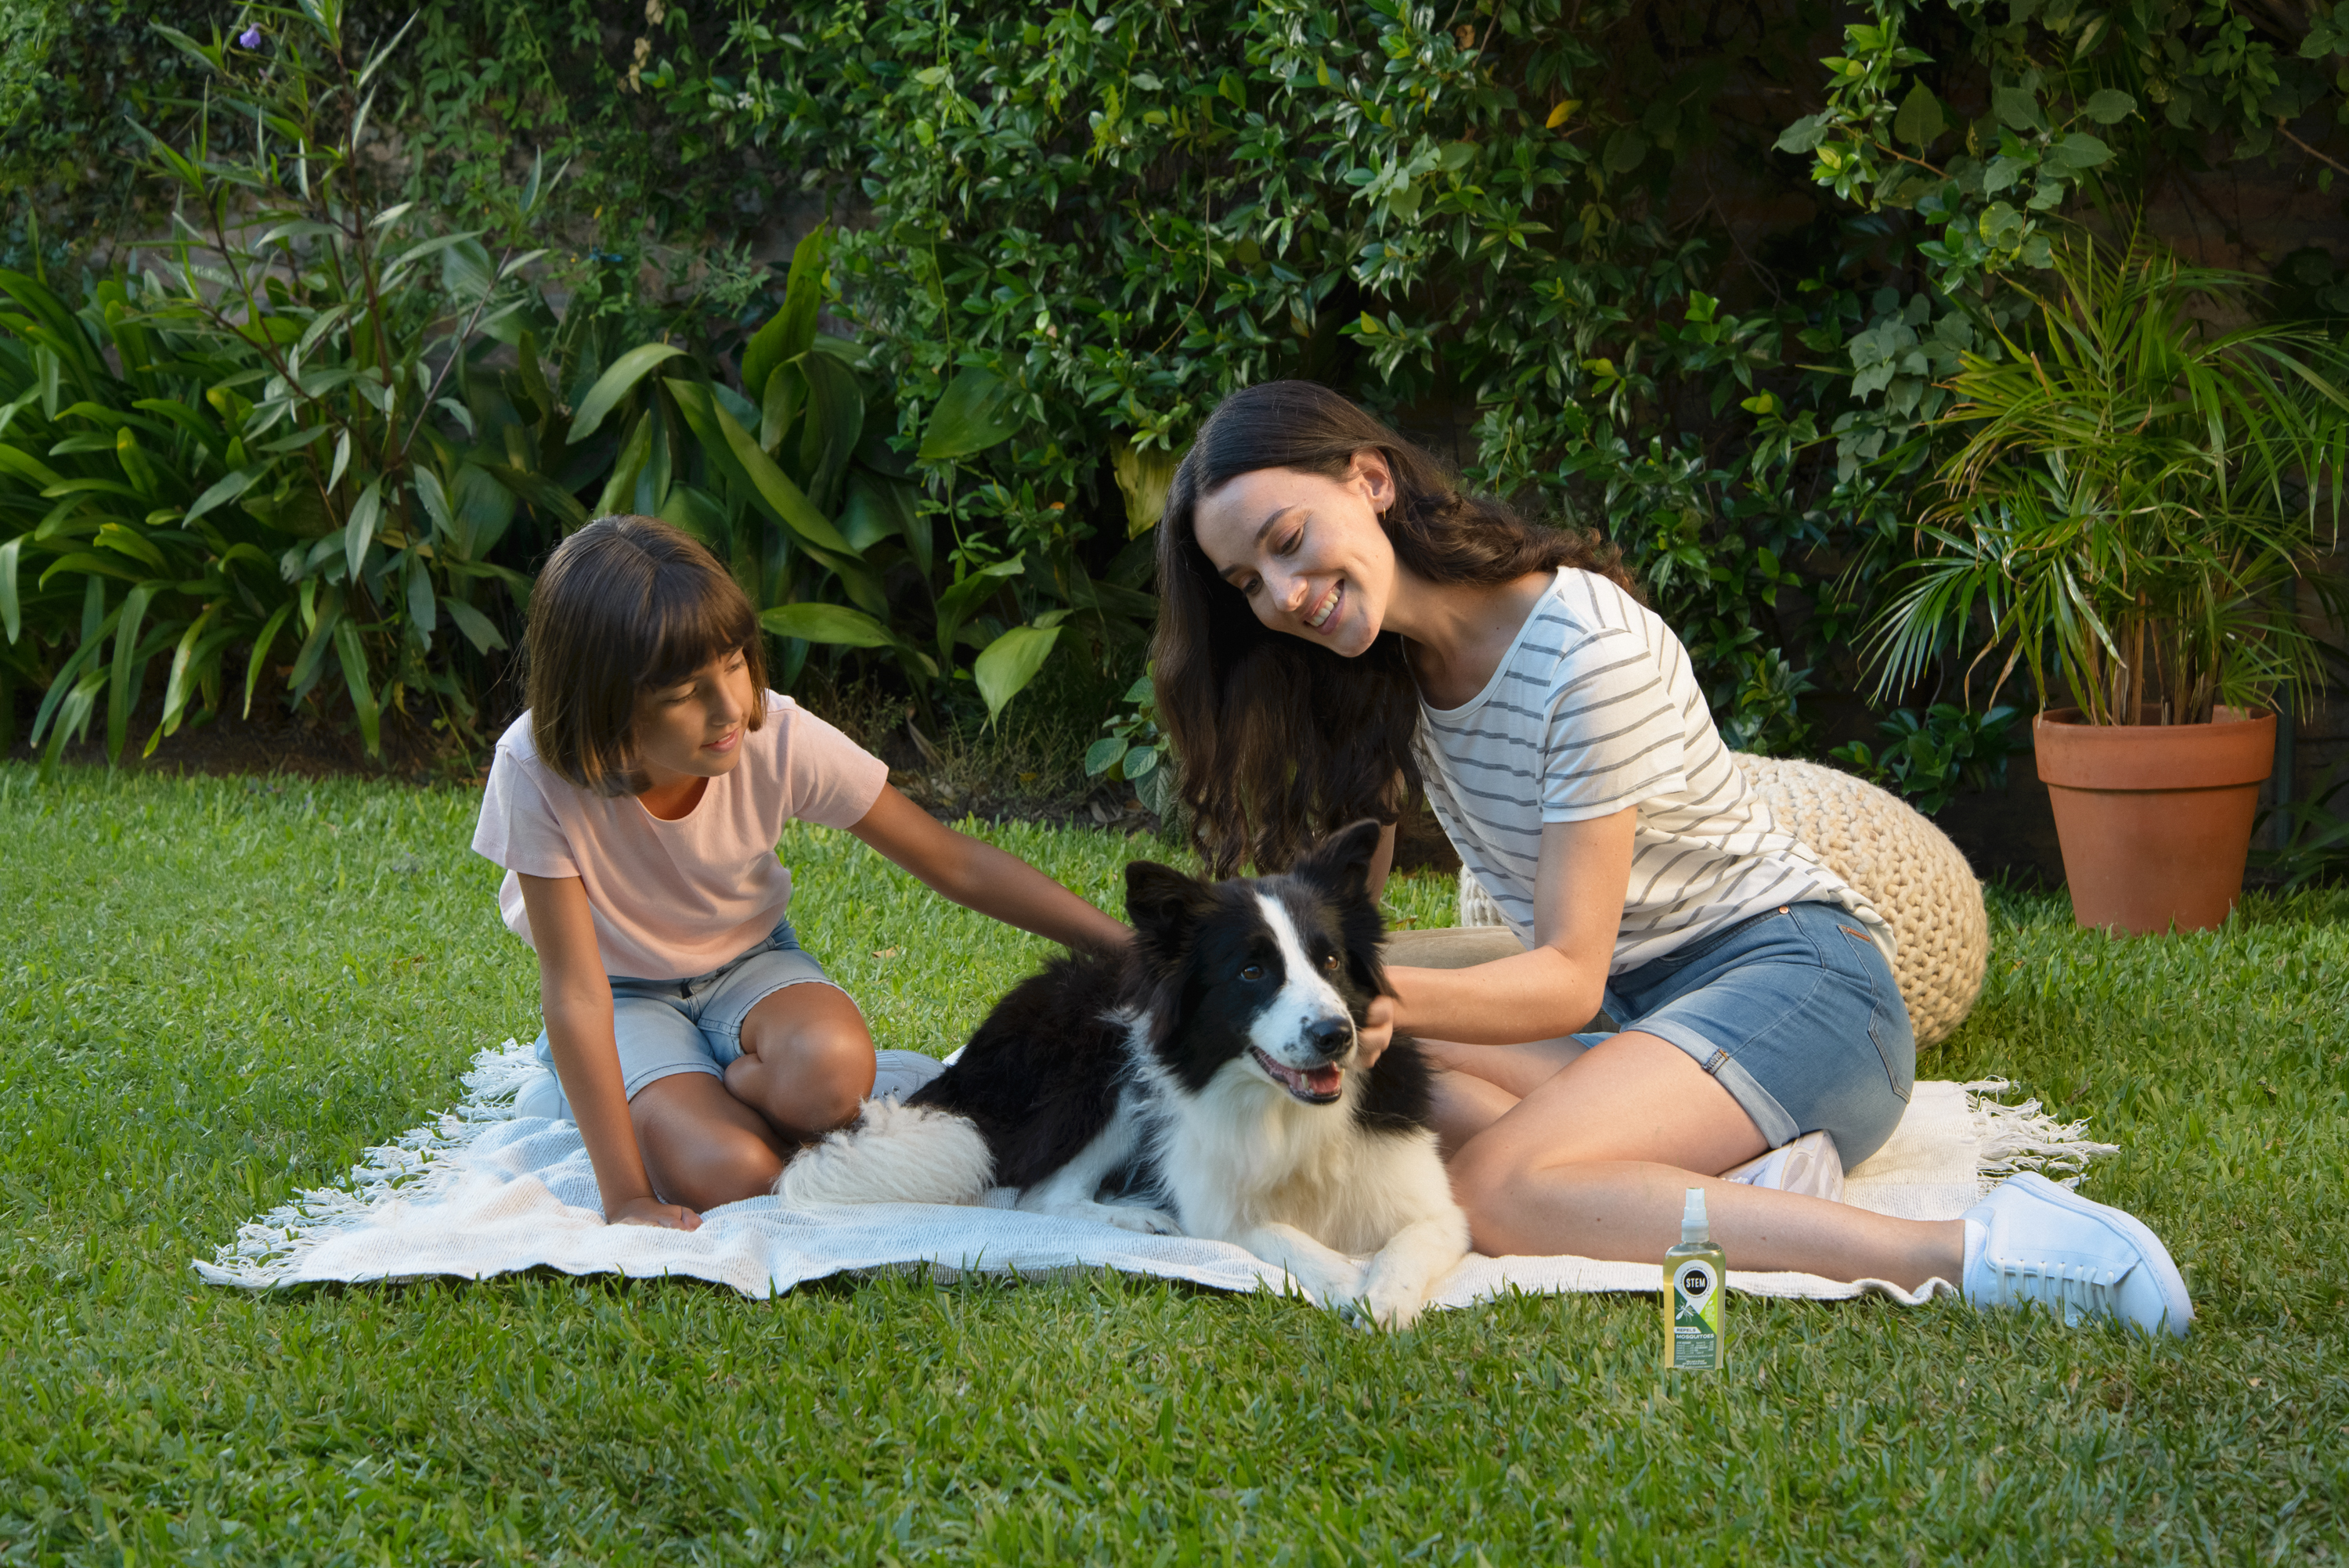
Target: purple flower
[[249, 39]]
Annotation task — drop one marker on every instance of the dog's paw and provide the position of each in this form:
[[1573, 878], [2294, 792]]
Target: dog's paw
[[1340, 1292], [1145, 1221], [1388, 1307]]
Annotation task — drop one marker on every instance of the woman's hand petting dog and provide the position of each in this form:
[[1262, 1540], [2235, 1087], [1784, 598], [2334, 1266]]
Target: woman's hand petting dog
[[1376, 1033]]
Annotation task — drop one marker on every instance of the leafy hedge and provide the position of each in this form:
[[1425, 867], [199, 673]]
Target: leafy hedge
[[1642, 265]]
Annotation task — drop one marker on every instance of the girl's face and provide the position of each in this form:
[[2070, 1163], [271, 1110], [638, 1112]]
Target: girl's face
[[1306, 551], [695, 727]]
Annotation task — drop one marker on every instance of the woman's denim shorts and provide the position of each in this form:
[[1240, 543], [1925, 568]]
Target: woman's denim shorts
[[669, 1027], [1795, 1012]]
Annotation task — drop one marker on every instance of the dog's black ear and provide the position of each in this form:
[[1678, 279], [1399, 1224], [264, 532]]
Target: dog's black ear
[[1163, 904], [1339, 865]]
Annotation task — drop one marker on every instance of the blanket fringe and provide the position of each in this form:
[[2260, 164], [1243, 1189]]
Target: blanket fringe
[[2012, 1137], [423, 1163]]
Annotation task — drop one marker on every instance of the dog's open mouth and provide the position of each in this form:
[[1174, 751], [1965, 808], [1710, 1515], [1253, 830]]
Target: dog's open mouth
[[1315, 1086]]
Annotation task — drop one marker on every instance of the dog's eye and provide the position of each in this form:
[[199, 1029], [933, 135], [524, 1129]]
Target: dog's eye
[[1330, 964], [1253, 972]]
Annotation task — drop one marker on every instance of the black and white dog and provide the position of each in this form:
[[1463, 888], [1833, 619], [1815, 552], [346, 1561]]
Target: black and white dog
[[1209, 1076]]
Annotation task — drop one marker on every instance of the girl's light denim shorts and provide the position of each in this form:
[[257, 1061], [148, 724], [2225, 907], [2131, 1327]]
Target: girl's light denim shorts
[[1795, 1012], [667, 1026]]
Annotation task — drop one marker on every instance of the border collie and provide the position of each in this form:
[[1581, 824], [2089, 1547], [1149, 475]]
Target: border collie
[[1208, 1076]]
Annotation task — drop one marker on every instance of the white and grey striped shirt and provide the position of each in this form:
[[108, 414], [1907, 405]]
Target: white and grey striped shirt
[[1594, 708]]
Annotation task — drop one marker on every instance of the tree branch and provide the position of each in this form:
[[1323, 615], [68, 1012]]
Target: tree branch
[[2285, 131]]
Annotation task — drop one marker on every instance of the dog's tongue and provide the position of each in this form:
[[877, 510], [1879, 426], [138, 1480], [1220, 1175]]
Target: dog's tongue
[[1316, 1083]]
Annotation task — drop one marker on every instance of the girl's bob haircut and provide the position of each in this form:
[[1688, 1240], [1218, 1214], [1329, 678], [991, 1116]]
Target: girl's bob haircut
[[1281, 742], [626, 605]]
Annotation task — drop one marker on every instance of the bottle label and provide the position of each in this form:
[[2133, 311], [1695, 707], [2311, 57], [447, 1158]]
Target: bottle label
[[1696, 1314]]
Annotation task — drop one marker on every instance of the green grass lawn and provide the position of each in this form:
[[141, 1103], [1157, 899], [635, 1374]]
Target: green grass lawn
[[215, 992]]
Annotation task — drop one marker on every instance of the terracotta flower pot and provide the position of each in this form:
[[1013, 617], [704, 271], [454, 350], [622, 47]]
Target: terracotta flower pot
[[2155, 818]]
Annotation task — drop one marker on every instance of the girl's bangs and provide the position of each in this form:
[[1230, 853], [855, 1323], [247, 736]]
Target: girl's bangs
[[689, 621]]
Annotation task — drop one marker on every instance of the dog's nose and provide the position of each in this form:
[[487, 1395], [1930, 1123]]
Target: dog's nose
[[1333, 1037]]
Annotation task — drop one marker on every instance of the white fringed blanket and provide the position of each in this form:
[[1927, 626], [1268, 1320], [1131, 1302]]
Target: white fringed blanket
[[481, 1191]]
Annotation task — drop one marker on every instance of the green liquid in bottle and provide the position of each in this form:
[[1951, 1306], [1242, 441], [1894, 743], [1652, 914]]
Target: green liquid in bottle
[[1695, 1277]]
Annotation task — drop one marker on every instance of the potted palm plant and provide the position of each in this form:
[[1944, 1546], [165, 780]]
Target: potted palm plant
[[2139, 498]]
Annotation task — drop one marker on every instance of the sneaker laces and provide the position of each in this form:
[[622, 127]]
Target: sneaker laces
[[2076, 1290]]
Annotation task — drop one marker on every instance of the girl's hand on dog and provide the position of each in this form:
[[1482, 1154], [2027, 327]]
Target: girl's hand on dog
[[653, 1212], [1376, 1033]]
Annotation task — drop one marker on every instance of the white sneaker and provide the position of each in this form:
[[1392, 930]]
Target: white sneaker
[[542, 1094], [899, 1073], [1810, 1165], [2033, 1243]]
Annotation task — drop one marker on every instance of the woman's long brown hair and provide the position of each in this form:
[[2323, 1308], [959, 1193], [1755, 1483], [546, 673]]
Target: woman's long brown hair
[[1281, 742]]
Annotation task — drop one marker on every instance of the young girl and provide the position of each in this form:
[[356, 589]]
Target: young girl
[[1337, 622], [636, 807]]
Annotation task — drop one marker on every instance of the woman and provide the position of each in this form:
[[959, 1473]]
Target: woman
[[1339, 624]]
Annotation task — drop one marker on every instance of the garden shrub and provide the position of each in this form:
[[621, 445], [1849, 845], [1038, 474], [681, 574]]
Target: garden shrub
[[1594, 253]]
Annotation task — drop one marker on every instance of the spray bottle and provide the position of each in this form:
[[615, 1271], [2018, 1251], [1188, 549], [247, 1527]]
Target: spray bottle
[[1695, 1277]]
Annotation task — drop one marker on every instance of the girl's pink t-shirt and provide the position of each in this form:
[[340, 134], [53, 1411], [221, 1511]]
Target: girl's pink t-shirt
[[673, 900]]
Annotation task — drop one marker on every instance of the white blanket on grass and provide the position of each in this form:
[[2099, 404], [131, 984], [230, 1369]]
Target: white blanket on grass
[[480, 1191]]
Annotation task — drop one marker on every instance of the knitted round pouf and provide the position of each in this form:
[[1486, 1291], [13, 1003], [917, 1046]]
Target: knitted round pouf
[[1900, 862]]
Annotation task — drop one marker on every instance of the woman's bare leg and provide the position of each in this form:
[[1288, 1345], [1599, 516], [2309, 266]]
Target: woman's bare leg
[[1596, 1158], [1475, 1085]]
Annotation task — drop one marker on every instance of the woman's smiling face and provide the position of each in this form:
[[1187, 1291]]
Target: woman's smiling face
[[1305, 550]]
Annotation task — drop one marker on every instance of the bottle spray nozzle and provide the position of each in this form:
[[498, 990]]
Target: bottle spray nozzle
[[1693, 1222]]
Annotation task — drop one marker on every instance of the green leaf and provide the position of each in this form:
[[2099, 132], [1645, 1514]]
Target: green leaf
[[351, 653], [818, 622], [620, 491], [18, 461], [2110, 106], [1005, 665], [1140, 762], [479, 629], [616, 383], [836, 421], [1105, 754], [12, 616], [359, 531], [261, 645], [1804, 136], [176, 690], [120, 694], [956, 603], [792, 330], [442, 243], [537, 490], [2077, 151], [1625, 150], [2017, 108], [974, 414], [779, 407], [1143, 476], [1919, 121], [485, 508], [422, 614], [877, 507], [770, 489], [435, 501], [467, 273]]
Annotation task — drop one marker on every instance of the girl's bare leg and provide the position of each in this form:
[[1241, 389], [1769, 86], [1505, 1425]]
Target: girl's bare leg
[[805, 1069], [1594, 1158], [703, 1147], [807, 1060]]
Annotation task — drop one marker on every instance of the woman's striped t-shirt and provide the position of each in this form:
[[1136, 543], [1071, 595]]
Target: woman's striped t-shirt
[[1594, 708]]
